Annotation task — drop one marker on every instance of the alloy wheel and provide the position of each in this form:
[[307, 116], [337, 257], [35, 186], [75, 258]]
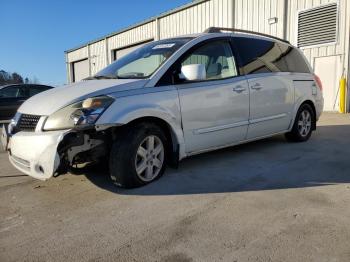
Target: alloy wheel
[[149, 158], [304, 123]]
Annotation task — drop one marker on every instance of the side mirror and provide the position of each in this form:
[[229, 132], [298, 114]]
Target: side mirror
[[195, 72]]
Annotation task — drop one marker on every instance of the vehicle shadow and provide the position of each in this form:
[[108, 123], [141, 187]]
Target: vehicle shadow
[[268, 164]]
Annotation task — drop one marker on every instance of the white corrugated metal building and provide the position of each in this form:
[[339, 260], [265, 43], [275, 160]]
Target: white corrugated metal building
[[321, 28]]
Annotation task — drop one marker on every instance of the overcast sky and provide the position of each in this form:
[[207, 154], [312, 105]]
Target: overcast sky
[[35, 33]]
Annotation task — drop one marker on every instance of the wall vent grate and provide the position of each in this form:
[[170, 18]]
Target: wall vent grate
[[318, 26]]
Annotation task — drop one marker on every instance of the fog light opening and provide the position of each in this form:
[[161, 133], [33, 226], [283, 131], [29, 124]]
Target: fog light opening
[[40, 169]]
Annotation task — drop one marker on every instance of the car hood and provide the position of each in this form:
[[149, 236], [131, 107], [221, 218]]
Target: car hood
[[54, 99]]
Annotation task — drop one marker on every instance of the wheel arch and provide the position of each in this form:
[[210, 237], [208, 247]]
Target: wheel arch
[[168, 129], [312, 105]]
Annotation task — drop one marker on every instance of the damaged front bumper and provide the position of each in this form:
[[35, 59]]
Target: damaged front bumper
[[34, 153], [46, 154]]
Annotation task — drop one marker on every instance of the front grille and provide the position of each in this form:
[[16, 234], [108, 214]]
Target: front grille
[[27, 122]]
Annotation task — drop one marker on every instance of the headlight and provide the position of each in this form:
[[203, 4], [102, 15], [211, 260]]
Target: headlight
[[13, 123], [81, 114]]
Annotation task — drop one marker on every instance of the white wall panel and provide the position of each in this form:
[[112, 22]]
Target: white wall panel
[[340, 48], [135, 35], [197, 18], [254, 14], [78, 54], [98, 56]]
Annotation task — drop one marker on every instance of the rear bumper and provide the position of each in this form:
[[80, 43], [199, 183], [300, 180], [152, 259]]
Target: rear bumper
[[319, 107], [35, 154]]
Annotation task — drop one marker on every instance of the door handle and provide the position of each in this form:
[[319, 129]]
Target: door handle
[[256, 86], [238, 89]]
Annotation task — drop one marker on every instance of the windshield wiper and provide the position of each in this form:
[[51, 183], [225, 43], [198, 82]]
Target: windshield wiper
[[100, 77], [132, 76]]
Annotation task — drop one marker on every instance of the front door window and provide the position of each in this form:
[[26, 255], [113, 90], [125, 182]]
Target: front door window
[[217, 58]]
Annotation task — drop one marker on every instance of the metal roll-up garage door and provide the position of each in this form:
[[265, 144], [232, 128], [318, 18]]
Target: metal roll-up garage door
[[80, 70], [119, 53]]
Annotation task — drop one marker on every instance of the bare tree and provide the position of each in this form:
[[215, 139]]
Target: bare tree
[[4, 77], [16, 78]]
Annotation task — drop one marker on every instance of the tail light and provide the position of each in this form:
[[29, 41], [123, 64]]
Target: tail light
[[318, 82]]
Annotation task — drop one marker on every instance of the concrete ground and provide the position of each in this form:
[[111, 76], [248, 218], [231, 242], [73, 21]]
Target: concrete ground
[[264, 201]]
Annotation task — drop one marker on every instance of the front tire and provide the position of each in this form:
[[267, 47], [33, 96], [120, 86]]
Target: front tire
[[138, 155], [302, 128]]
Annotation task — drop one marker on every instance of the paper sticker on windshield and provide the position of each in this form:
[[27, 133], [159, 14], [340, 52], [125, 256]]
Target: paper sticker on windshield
[[163, 46]]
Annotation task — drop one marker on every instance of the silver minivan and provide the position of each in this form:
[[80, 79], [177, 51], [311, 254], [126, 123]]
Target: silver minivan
[[165, 101]]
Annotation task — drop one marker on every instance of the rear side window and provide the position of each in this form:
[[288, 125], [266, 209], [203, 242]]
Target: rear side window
[[259, 56], [12, 92], [295, 60]]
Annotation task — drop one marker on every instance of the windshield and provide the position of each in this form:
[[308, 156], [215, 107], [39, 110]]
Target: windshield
[[142, 62]]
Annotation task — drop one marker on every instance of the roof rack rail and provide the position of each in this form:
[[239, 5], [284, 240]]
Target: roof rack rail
[[219, 29]]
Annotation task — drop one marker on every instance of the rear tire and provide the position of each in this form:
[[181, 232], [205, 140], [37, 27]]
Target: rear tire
[[303, 123], [138, 156]]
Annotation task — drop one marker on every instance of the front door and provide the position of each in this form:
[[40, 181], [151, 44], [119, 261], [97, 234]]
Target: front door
[[215, 111]]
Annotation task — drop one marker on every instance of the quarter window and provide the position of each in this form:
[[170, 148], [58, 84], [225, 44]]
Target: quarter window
[[217, 58], [295, 61]]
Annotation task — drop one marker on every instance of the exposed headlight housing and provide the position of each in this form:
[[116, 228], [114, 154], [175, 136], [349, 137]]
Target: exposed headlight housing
[[78, 115], [13, 123]]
